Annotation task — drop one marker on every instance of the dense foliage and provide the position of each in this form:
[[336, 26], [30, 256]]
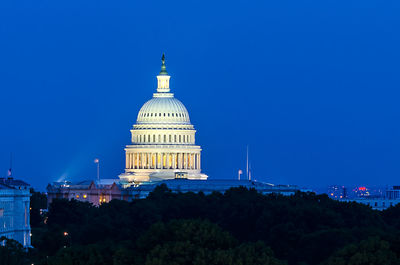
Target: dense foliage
[[238, 227]]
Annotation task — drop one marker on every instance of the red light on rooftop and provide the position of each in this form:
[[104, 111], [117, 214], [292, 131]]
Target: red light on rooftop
[[362, 188]]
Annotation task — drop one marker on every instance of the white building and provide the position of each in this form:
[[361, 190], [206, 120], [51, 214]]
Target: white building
[[14, 210], [163, 140]]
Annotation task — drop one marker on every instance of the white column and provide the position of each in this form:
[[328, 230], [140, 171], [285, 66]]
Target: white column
[[134, 157], [130, 160]]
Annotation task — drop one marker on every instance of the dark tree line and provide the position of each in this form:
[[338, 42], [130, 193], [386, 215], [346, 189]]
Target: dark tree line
[[238, 227]]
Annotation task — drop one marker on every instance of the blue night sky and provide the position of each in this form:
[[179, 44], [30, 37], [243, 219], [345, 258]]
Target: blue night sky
[[311, 86]]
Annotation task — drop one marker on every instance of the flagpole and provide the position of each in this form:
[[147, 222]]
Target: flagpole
[[10, 170], [97, 161]]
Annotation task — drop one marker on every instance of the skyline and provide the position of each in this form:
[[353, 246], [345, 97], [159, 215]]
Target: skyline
[[312, 89]]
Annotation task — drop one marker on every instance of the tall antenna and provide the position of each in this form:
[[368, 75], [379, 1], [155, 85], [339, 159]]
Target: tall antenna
[[247, 162], [250, 171]]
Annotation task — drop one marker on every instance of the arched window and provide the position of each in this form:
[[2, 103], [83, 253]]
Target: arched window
[[165, 138], [154, 137], [175, 138], [170, 138], [180, 138], [148, 138]]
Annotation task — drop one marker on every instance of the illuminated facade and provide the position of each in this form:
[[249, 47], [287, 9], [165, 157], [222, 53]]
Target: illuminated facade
[[163, 139], [95, 192], [15, 211]]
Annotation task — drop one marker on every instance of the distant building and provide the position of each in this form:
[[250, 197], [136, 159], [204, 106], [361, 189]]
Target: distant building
[[91, 191], [337, 192], [393, 193], [14, 210], [361, 192], [376, 203], [378, 200]]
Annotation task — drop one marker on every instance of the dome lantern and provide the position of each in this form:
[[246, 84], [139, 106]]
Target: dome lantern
[[163, 78]]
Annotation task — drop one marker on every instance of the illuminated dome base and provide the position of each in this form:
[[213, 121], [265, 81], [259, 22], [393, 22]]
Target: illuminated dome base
[[163, 140], [162, 175]]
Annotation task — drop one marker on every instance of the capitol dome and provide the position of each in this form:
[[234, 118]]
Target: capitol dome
[[163, 139], [163, 110]]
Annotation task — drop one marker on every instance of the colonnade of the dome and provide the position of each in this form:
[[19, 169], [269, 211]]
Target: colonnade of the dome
[[174, 137], [163, 160]]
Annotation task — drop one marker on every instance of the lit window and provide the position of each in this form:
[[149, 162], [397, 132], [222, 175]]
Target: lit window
[[77, 196], [84, 196]]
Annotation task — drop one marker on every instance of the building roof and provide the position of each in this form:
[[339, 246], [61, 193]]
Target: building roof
[[12, 183], [83, 185], [221, 185]]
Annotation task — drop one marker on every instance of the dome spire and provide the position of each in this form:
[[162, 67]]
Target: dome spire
[[163, 78], [163, 67]]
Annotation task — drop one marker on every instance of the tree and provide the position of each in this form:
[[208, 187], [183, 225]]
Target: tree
[[372, 251], [12, 253]]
